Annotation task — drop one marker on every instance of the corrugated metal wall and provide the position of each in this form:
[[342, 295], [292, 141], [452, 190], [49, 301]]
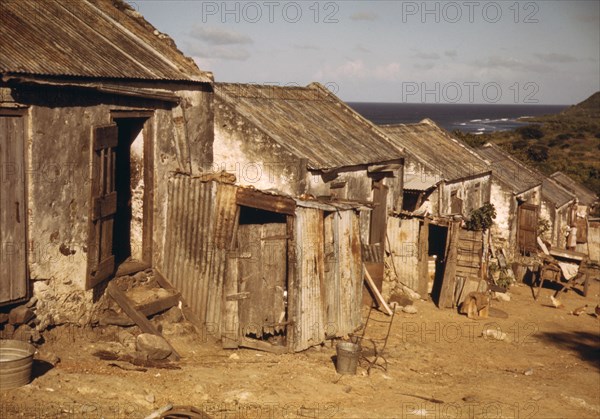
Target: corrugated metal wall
[[343, 273], [201, 218], [403, 237], [310, 314]]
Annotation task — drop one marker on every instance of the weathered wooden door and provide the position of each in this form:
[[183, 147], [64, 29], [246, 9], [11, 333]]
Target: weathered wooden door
[[379, 214], [13, 266], [101, 261], [262, 279], [527, 227]]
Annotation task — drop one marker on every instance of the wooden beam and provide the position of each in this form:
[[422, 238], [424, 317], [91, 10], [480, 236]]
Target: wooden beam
[[188, 314], [154, 307], [376, 292], [263, 346], [260, 200], [143, 323]]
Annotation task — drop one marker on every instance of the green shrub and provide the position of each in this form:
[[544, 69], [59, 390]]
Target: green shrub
[[538, 153], [530, 132], [481, 218]]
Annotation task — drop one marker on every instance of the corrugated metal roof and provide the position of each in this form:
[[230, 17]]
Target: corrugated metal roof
[[551, 190], [583, 194], [417, 182], [88, 38], [311, 123], [435, 148], [509, 170]]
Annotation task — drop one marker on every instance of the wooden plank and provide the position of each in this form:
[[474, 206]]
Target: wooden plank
[[542, 246], [105, 137], [154, 307], [13, 274], [260, 200], [103, 271], [567, 254], [378, 168], [104, 206], [376, 292], [230, 335], [263, 346], [450, 269], [140, 320], [379, 215], [424, 257]]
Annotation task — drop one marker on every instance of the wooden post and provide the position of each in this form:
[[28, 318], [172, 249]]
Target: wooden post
[[424, 258]]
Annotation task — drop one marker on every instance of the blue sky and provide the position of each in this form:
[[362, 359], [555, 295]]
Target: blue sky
[[545, 52]]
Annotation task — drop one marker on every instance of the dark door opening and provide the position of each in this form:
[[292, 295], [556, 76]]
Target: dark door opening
[[438, 237], [129, 173]]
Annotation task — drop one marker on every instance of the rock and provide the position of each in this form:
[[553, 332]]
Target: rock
[[493, 334], [502, 296], [32, 302], [149, 398], [410, 309], [347, 389], [401, 300], [127, 339], [528, 371], [49, 357], [154, 346], [3, 318], [173, 315], [8, 331], [20, 315], [234, 356], [27, 334], [411, 294]]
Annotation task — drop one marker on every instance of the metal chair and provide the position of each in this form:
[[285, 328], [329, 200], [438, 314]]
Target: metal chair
[[373, 348]]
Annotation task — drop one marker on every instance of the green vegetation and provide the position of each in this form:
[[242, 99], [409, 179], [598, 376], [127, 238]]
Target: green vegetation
[[568, 141], [481, 218]]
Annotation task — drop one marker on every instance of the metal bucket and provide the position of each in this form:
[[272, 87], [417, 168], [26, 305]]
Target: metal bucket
[[16, 359], [347, 357]]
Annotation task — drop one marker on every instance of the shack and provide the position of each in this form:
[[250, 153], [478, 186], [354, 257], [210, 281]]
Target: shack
[[263, 270], [557, 203], [443, 178], [516, 195], [305, 141], [587, 203], [97, 107]]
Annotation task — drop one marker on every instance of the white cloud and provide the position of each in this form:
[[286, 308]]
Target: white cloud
[[451, 53], [428, 55], [219, 51], [215, 36]]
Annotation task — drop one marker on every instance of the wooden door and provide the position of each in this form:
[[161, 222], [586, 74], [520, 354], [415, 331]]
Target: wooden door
[[527, 228], [379, 215], [262, 275], [13, 263], [101, 260]]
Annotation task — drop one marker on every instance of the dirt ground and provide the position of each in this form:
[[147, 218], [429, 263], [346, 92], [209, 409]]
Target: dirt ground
[[439, 367]]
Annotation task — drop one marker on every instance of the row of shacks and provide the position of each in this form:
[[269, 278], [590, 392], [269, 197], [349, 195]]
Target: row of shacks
[[262, 205]]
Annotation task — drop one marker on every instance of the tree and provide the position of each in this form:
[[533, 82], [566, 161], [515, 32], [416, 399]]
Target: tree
[[530, 132]]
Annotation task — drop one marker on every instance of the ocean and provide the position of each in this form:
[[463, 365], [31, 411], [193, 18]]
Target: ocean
[[477, 119]]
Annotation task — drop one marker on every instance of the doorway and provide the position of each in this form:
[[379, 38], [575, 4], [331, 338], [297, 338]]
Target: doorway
[[262, 276], [120, 219], [438, 238]]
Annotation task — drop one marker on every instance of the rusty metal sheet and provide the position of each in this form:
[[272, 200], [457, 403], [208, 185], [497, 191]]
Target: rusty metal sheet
[[584, 195], [256, 199], [436, 149], [201, 219], [88, 38]]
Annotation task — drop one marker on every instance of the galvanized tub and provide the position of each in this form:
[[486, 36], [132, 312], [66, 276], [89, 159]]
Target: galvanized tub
[[16, 359], [347, 357]]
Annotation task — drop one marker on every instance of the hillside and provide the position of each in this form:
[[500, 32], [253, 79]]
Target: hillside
[[568, 141]]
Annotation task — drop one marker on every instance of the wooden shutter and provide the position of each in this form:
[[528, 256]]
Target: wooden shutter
[[101, 261], [379, 215], [13, 262]]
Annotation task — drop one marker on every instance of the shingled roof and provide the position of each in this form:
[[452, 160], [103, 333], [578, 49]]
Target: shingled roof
[[437, 150], [88, 39], [583, 194], [312, 123]]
